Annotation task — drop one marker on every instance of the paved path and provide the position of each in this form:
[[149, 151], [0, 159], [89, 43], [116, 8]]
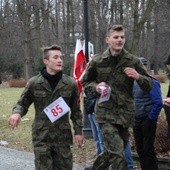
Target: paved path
[[11, 159]]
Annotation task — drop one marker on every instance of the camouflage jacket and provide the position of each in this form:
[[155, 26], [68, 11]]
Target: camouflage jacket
[[39, 92], [120, 107]]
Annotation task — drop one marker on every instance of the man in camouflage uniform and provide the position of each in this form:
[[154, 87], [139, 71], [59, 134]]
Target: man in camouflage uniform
[[117, 69], [51, 141]]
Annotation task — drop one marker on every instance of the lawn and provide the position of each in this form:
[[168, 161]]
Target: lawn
[[19, 137]]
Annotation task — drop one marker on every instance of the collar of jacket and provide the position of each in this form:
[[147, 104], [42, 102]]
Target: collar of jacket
[[63, 81], [107, 54], [125, 55], [122, 58]]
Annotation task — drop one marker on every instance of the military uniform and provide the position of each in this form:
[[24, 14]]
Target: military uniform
[[51, 141], [115, 116]]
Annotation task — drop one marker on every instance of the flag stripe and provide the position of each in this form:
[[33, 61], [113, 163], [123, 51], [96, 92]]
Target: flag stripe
[[79, 64]]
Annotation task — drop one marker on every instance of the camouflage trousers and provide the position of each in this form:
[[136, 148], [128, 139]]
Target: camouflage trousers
[[115, 138], [54, 158]]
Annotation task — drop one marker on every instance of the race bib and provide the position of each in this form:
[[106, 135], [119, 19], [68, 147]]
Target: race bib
[[56, 109], [105, 94]]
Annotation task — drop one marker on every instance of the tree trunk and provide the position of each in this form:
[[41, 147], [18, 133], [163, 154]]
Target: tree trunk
[[139, 23]]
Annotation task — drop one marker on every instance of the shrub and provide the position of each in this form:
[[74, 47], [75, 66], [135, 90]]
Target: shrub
[[17, 83], [161, 141]]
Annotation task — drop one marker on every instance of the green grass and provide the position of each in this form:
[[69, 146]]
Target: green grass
[[164, 89], [19, 137]]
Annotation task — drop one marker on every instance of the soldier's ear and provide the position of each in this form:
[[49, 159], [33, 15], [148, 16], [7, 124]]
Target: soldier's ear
[[107, 39], [45, 61]]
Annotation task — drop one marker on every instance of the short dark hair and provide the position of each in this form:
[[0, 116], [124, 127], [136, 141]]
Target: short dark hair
[[115, 28], [50, 48]]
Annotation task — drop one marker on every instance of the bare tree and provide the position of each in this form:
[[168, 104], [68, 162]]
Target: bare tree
[[139, 21], [25, 13], [31, 24]]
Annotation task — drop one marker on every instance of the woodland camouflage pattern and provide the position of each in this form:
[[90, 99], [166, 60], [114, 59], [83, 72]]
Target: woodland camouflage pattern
[[57, 135], [115, 116], [120, 108]]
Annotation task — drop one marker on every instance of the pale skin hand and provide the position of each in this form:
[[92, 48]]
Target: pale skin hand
[[79, 140], [98, 87], [131, 72], [167, 101], [14, 120]]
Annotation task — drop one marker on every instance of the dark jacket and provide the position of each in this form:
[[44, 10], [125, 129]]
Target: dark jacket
[[147, 104], [90, 101], [104, 68]]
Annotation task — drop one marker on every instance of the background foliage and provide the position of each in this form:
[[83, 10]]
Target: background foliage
[[28, 25]]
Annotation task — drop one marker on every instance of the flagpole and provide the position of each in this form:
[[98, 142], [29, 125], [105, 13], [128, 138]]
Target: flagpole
[[86, 30], [87, 131]]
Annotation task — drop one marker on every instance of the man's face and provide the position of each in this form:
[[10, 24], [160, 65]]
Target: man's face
[[54, 63], [116, 41]]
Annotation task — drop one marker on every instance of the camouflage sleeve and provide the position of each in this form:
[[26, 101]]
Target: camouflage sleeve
[[76, 115], [145, 83], [89, 78], [24, 102]]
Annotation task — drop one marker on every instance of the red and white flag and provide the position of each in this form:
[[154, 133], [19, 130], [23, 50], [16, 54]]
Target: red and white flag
[[79, 64]]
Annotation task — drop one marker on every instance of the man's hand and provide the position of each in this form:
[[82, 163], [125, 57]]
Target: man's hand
[[167, 101], [98, 87], [131, 72], [14, 120], [79, 140]]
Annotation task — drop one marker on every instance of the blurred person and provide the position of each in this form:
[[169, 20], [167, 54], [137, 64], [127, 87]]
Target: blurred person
[[166, 101], [147, 108], [128, 156], [115, 69], [89, 104], [51, 140]]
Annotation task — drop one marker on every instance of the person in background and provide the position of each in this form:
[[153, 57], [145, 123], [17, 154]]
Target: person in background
[[166, 107], [112, 74], [51, 140], [147, 108], [89, 104], [128, 156]]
